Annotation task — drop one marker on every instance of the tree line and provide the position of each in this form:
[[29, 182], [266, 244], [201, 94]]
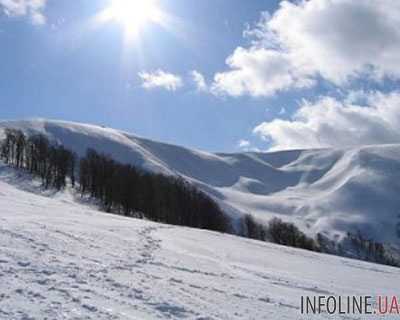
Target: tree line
[[124, 189], [352, 246], [51, 162], [120, 188], [368, 249], [278, 231]]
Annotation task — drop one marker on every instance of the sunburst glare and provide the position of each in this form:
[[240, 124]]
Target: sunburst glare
[[133, 15]]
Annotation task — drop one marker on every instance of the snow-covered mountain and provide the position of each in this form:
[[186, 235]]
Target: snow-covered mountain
[[60, 259], [329, 191]]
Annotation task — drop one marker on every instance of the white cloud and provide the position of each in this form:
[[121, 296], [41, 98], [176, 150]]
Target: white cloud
[[244, 143], [340, 39], [199, 81], [32, 8], [337, 40], [161, 79], [329, 122], [246, 146], [356, 97], [258, 72]]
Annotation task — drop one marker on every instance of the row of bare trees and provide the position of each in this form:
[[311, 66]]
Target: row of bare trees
[[120, 188], [126, 190], [51, 162], [278, 231], [286, 233], [129, 191]]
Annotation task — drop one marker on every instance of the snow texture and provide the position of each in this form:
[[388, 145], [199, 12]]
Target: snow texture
[[61, 259], [329, 191]]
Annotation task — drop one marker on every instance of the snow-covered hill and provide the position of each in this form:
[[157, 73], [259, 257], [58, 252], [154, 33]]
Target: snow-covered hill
[[59, 259], [322, 191]]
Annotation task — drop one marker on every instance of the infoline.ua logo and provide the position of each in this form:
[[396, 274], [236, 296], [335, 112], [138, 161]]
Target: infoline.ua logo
[[355, 305]]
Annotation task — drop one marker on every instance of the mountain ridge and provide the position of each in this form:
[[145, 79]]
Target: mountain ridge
[[323, 191], [59, 255]]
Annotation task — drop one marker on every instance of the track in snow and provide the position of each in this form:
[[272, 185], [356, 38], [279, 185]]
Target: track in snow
[[62, 260]]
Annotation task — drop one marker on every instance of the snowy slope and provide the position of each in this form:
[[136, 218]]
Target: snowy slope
[[62, 260], [327, 191]]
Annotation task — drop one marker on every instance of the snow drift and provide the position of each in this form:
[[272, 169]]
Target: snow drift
[[329, 191], [60, 259]]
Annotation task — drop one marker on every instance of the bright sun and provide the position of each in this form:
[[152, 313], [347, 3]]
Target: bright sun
[[133, 15]]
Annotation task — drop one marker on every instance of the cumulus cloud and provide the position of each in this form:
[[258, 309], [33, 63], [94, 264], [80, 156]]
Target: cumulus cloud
[[330, 122], [32, 8], [258, 72], [161, 79], [244, 143], [199, 81], [336, 40]]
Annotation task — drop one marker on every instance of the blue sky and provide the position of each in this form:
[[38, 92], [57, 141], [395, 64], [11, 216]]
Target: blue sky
[[295, 79]]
